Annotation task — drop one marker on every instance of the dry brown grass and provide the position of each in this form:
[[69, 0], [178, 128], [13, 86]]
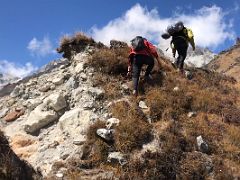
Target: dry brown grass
[[211, 95], [133, 130], [110, 61], [70, 45], [195, 165], [11, 167]]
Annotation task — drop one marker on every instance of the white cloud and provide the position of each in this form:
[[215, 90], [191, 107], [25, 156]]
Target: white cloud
[[40, 48], [209, 25], [12, 69]]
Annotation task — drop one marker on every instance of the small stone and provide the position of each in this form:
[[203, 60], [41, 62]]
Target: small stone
[[45, 88], [176, 88], [78, 142], [112, 122], [83, 76], [58, 80], [125, 87], [189, 75], [192, 114], [202, 145], [52, 87], [25, 96], [105, 134], [11, 102], [59, 175], [142, 105], [117, 157]]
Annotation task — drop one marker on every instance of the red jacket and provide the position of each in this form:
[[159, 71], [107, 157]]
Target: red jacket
[[149, 51]]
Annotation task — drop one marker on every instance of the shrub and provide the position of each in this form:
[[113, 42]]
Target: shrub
[[168, 104], [75, 44], [133, 130], [195, 165], [11, 167], [110, 61], [96, 144]]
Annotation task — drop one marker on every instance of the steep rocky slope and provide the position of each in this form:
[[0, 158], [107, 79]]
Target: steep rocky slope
[[228, 62], [78, 120]]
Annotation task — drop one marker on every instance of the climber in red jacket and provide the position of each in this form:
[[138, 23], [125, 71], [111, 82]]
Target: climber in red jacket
[[142, 52]]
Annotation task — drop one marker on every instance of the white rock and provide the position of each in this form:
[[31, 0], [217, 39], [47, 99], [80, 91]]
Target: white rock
[[83, 76], [38, 119], [142, 105], [79, 68], [58, 80], [176, 88], [75, 122], [80, 57], [33, 103], [96, 92], [117, 157], [191, 114], [45, 88], [59, 175], [112, 122], [125, 87], [106, 134], [202, 145], [55, 101]]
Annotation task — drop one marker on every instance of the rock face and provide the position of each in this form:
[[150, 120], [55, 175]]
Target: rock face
[[198, 58], [227, 62], [75, 122], [60, 104]]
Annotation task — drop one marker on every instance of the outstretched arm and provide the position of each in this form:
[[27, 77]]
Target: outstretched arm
[[191, 41]]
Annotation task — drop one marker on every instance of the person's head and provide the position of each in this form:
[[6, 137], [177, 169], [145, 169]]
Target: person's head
[[178, 26]]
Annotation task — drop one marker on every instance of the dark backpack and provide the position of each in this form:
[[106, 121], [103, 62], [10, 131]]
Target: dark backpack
[[138, 43]]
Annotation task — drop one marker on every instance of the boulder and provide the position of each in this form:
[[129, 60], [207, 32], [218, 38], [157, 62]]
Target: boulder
[[75, 122], [58, 80], [55, 101], [39, 118], [45, 88]]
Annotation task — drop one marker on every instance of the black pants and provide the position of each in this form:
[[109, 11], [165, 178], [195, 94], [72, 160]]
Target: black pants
[[181, 46], [138, 61]]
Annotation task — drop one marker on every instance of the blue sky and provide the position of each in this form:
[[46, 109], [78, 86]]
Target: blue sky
[[31, 29]]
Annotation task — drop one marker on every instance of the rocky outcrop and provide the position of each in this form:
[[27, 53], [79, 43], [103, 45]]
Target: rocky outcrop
[[227, 62], [60, 104]]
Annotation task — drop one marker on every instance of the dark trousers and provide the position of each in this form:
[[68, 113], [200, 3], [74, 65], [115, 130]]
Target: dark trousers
[[138, 61], [181, 46]]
